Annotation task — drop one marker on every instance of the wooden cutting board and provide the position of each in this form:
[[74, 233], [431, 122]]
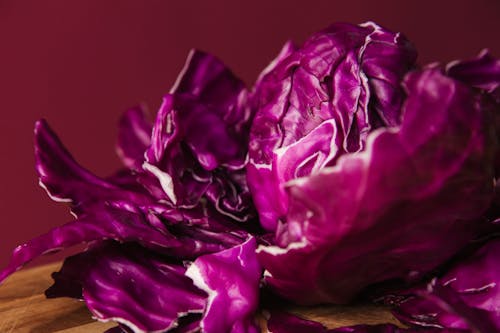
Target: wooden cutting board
[[24, 309]]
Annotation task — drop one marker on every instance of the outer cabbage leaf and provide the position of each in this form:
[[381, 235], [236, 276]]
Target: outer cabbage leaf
[[346, 74], [65, 180], [131, 285], [282, 322], [107, 222], [482, 72], [398, 209], [231, 279], [467, 295]]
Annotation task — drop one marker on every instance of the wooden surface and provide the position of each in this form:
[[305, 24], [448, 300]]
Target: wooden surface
[[24, 309]]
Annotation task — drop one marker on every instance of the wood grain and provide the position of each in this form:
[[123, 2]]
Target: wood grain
[[24, 309]]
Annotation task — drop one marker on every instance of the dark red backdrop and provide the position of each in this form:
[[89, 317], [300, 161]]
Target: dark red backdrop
[[79, 64]]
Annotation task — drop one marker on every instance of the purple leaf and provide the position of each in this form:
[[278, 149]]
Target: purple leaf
[[467, 295], [283, 322], [105, 222], [65, 180], [134, 137], [231, 279], [133, 286]]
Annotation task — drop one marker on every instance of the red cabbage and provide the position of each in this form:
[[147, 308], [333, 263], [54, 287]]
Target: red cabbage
[[346, 170], [365, 196]]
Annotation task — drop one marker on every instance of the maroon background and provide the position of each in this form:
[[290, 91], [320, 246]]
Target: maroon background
[[79, 64]]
